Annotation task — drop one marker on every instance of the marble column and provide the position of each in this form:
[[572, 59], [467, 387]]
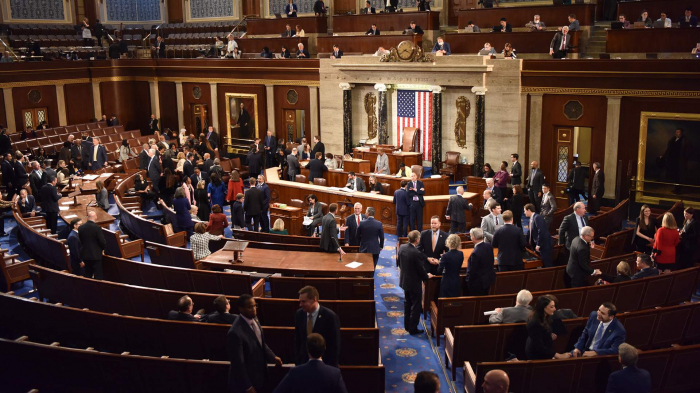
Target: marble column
[[313, 110], [383, 124], [535, 127], [9, 109], [347, 117], [436, 121], [180, 107], [97, 100], [270, 110], [155, 100], [479, 128], [612, 135], [61, 104], [215, 107]]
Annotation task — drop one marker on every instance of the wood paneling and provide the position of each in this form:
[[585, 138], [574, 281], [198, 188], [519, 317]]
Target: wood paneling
[[651, 40], [394, 21], [453, 8], [258, 90], [130, 101], [674, 9], [281, 104], [188, 101], [3, 115], [366, 44], [167, 98], [255, 45], [79, 103], [310, 24], [345, 6], [523, 42], [48, 100], [551, 15], [175, 11]]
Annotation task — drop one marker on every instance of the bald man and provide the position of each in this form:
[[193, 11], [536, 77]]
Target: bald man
[[92, 243], [496, 381]]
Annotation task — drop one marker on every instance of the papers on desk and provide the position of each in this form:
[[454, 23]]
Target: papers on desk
[[106, 175], [354, 265], [435, 176], [62, 208], [90, 177], [489, 312], [71, 216], [344, 189], [307, 221], [67, 203]]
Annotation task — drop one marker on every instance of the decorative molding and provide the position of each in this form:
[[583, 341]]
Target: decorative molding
[[380, 87], [346, 86], [231, 81], [44, 10], [371, 110], [463, 111], [52, 82], [480, 91], [610, 92], [436, 89], [270, 82]]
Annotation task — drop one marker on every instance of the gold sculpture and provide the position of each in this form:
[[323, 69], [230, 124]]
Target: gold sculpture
[[463, 109], [370, 102], [406, 51]]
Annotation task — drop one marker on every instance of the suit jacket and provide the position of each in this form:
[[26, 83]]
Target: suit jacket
[[445, 47], [316, 214], [330, 231], [253, 202], [293, 168], [338, 54], [290, 8], [214, 137], [270, 142], [36, 183], [598, 188], [316, 169], [568, 230], [222, 318], [417, 192], [425, 245], [20, 174], [265, 189], [243, 119], [488, 225], [327, 325], [516, 173], [153, 125], [49, 198], [629, 380], [498, 28], [535, 181], [577, 178], [579, 265], [187, 169], [249, 358], [255, 162], [29, 207], [413, 273], [371, 236], [182, 316], [402, 202], [304, 52], [195, 180], [312, 377], [496, 194], [351, 235], [456, 207], [480, 274], [646, 272], [382, 164], [360, 187], [92, 241], [160, 48], [154, 170], [539, 234], [371, 10], [511, 243], [515, 314], [613, 336], [548, 206], [556, 42], [8, 173], [74, 248], [689, 237], [143, 160], [375, 32], [101, 157]]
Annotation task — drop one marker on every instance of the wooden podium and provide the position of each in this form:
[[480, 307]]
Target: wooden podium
[[292, 217], [356, 165]]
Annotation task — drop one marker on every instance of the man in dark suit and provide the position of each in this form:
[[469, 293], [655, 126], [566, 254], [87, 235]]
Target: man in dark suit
[[265, 189], [254, 158], [368, 9], [199, 175], [253, 205], [539, 238], [92, 244], [311, 317], [293, 168], [645, 267], [316, 167], [49, 203], [572, 225], [579, 266], [243, 119], [154, 169], [480, 274], [188, 166], [432, 244], [456, 207], [8, 175], [26, 203], [412, 277], [371, 235], [270, 149], [159, 47], [318, 145], [561, 44], [534, 185], [113, 121], [689, 234], [153, 124], [516, 170], [597, 189], [416, 190], [207, 163], [144, 158], [213, 137], [329, 236], [352, 222], [510, 242], [247, 350], [402, 210], [337, 52], [221, 312], [355, 183], [577, 182], [314, 376], [416, 29], [503, 27], [301, 52], [37, 179], [20, 173], [603, 333], [185, 306], [73, 240], [373, 30], [98, 155], [630, 379]]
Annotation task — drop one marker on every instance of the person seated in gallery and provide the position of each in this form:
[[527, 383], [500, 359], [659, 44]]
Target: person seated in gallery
[[503, 27], [644, 17], [288, 32], [185, 305], [487, 50], [472, 28], [373, 30], [536, 24], [508, 51], [337, 52], [663, 21], [302, 53], [441, 48], [284, 54], [266, 54], [413, 27], [368, 9], [625, 23]]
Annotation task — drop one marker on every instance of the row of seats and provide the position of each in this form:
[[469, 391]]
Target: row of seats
[[65, 130], [48, 28], [23, 41], [195, 38], [201, 27]]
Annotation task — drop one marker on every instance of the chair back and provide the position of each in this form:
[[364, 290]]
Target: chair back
[[297, 203], [452, 158], [410, 139], [319, 181], [385, 188], [301, 179], [418, 170]]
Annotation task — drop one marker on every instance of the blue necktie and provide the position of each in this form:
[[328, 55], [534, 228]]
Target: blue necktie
[[598, 336]]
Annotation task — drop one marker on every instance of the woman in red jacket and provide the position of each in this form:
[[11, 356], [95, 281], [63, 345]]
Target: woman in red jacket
[[665, 242], [235, 187], [217, 221]]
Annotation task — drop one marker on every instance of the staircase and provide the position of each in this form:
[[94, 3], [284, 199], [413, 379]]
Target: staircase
[[596, 43]]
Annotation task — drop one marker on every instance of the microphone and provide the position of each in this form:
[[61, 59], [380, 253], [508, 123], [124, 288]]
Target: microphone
[[340, 254]]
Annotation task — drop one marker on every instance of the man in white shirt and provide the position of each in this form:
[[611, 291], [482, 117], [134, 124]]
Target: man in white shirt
[[666, 20], [231, 44]]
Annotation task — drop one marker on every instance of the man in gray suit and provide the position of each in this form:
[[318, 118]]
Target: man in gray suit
[[516, 314], [382, 164], [534, 185], [456, 207], [549, 205], [293, 168], [492, 222], [355, 183]]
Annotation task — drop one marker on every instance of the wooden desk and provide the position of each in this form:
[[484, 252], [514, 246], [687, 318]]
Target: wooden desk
[[339, 178], [395, 159], [651, 40], [552, 15], [523, 42], [356, 165], [365, 44], [293, 263], [674, 9], [284, 191], [255, 45], [88, 186], [292, 217], [476, 185], [310, 24], [80, 211], [394, 21], [463, 171]]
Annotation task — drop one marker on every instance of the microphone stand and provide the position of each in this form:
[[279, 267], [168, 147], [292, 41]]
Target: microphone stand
[[340, 254]]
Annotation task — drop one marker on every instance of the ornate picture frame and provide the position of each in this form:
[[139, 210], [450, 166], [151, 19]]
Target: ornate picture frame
[[240, 136]]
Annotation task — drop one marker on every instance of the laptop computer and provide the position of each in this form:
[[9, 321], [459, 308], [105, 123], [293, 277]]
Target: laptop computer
[[469, 29], [485, 52], [659, 24], [617, 25], [408, 31], [639, 25], [684, 24], [604, 56]]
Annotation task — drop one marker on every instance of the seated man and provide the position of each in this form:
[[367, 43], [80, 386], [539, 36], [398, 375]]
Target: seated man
[[355, 183], [516, 314], [221, 315], [302, 53], [368, 8], [487, 51], [666, 22], [288, 32], [536, 24], [503, 27], [314, 375], [26, 203], [184, 311], [373, 30], [603, 333], [441, 48], [472, 28], [689, 18], [337, 52], [416, 29], [645, 267], [625, 23]]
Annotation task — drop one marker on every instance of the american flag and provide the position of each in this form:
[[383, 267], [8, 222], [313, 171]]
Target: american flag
[[415, 109]]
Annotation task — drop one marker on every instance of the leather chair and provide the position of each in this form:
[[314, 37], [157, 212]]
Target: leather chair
[[338, 160], [418, 170], [450, 164], [319, 181], [411, 137], [301, 179], [385, 188]]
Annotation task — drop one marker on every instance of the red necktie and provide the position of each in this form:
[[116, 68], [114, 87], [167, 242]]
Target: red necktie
[[563, 43], [358, 220]]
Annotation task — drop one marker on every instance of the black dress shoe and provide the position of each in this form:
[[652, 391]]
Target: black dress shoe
[[416, 331], [3, 234]]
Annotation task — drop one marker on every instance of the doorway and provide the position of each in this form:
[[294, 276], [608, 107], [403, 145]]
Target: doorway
[[199, 118], [35, 116], [572, 144], [294, 124]]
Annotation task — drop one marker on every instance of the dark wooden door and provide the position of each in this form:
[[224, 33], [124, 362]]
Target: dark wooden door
[[33, 117], [453, 7], [563, 152], [251, 7], [290, 125], [175, 11]]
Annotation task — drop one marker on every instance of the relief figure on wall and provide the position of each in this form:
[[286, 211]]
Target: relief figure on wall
[[463, 109], [370, 104]]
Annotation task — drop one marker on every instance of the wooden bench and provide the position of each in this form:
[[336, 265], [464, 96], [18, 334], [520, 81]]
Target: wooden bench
[[40, 244], [118, 245], [672, 370], [157, 337], [105, 296], [164, 255], [667, 289], [618, 243], [13, 270], [328, 288], [610, 221], [53, 369], [647, 329], [558, 218]]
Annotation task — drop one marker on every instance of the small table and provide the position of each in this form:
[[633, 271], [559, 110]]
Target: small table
[[237, 247]]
